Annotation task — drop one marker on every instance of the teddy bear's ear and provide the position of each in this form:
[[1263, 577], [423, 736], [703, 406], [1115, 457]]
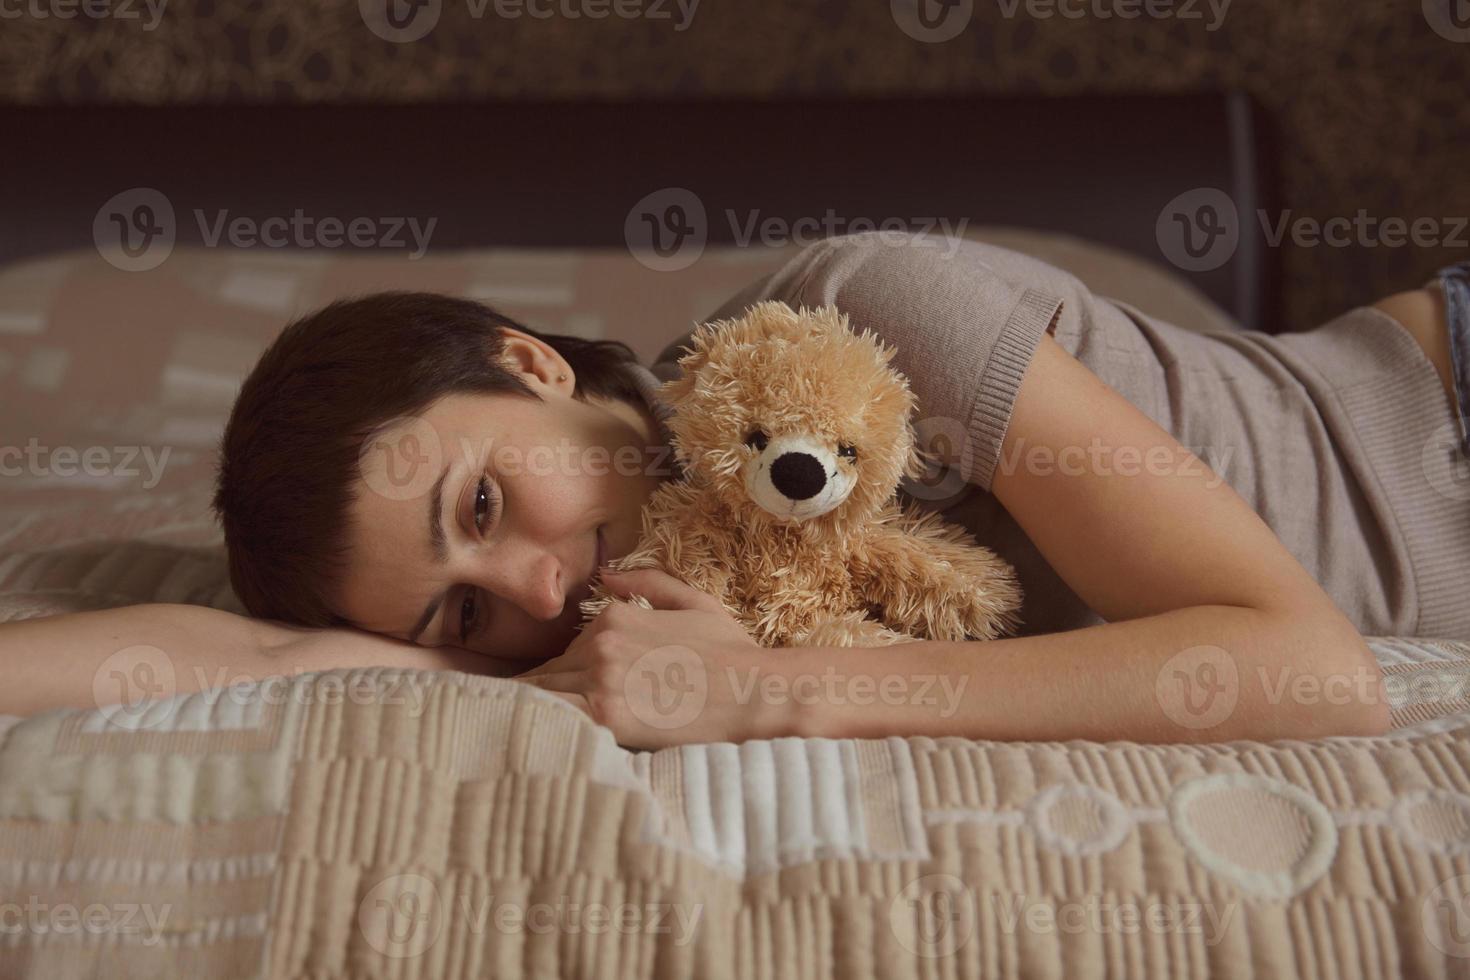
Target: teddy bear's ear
[[773, 320]]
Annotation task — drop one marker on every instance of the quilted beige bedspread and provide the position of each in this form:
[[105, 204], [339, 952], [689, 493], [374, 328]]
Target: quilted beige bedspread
[[378, 823]]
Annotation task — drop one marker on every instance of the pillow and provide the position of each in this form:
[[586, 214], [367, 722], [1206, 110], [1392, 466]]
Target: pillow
[[118, 384]]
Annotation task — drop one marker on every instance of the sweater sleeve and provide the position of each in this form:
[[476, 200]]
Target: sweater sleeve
[[964, 319]]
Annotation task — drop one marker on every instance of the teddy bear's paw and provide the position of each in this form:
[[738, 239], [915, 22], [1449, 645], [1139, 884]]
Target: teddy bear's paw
[[595, 606], [983, 614]]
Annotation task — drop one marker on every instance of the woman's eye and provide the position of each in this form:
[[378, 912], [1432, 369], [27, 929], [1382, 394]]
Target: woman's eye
[[757, 439], [847, 452], [485, 504], [467, 615]]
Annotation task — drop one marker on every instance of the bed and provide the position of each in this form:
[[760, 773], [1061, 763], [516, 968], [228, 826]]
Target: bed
[[380, 823]]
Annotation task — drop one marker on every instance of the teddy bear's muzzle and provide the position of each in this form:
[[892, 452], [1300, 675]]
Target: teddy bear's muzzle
[[798, 477]]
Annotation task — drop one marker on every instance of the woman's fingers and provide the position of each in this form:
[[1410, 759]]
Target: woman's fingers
[[566, 681], [659, 588]]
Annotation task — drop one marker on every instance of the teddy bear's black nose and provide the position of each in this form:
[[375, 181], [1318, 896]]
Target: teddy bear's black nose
[[798, 475]]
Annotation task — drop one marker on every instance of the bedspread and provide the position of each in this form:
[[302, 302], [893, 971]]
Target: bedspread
[[378, 823]]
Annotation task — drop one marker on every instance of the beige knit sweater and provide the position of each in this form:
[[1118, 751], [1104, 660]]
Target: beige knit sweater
[[1339, 437]]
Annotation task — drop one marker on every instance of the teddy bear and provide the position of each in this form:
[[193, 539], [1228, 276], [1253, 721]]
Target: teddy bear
[[792, 432]]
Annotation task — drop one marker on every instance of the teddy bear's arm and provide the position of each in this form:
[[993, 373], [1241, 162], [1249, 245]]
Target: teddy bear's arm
[[686, 559], [931, 580]]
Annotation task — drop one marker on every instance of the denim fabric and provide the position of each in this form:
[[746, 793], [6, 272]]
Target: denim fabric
[[1456, 282]]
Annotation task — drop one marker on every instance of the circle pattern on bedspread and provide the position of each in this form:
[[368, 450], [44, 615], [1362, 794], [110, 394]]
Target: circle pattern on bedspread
[[1437, 820], [1265, 836], [1078, 819]]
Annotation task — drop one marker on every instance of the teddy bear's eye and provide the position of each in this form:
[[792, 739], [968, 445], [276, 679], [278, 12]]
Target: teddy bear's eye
[[758, 439], [846, 451]]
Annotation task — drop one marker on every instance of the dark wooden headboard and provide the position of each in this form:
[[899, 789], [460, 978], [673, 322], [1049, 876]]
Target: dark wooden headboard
[[568, 174]]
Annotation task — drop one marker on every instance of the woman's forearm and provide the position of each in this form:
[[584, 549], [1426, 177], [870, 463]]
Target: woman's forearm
[[1204, 673], [123, 655]]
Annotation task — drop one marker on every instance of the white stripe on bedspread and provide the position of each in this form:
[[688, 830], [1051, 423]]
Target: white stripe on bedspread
[[761, 806]]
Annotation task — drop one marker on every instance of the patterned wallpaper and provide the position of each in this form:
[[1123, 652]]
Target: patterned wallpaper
[[1371, 98]]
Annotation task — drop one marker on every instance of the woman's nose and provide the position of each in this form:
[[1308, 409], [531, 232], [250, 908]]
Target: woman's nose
[[527, 576]]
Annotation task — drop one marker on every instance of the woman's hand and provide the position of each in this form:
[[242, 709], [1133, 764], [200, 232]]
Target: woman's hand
[[684, 671]]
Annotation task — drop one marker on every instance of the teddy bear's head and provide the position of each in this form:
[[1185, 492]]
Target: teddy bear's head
[[792, 416]]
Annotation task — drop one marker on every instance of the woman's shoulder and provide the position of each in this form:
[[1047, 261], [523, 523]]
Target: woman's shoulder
[[915, 291]]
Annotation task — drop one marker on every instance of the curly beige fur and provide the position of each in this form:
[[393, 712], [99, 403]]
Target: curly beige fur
[[866, 572]]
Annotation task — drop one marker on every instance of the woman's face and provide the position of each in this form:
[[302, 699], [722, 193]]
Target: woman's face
[[478, 523]]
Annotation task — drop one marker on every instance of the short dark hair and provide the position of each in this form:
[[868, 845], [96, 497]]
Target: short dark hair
[[289, 461]]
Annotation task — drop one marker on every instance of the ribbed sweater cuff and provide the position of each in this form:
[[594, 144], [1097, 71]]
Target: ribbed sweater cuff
[[999, 382]]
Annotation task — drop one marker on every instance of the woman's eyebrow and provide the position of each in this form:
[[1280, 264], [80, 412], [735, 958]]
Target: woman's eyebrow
[[438, 543]]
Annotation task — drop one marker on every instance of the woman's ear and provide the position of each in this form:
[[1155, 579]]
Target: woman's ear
[[535, 361]]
